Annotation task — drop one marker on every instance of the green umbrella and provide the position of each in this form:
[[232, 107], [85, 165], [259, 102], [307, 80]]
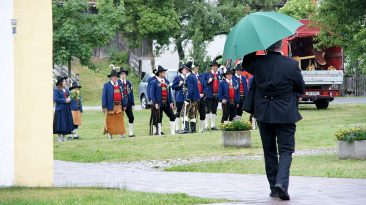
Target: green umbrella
[[258, 31]]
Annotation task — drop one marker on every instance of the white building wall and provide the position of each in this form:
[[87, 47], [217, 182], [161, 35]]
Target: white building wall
[[6, 94]]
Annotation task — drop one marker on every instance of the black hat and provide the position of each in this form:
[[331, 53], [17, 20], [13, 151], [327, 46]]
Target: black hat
[[122, 70], [238, 67], [74, 85], [188, 65], [113, 72], [59, 79], [195, 65], [159, 70], [214, 61]]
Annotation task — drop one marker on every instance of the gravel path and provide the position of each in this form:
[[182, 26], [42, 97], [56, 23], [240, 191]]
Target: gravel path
[[162, 164]]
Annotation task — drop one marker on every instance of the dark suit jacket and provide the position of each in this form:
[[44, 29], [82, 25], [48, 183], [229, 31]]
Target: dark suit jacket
[[192, 84], [278, 80], [130, 97]]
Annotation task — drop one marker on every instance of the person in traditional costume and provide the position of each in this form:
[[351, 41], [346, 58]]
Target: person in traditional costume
[[76, 108], [202, 89], [153, 129], [243, 89], [179, 97], [191, 98], [62, 122], [249, 81], [113, 105], [212, 78], [162, 101], [229, 96], [127, 90]]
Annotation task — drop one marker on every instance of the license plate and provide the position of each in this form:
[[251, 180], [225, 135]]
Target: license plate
[[312, 93]]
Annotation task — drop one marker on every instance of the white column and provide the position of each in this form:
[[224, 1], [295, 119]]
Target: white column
[[7, 111]]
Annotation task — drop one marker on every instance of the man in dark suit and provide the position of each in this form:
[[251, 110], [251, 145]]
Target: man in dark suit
[[278, 80]]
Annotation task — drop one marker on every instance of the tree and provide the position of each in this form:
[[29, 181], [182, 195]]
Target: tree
[[343, 24], [76, 30], [150, 20], [299, 9], [201, 21]]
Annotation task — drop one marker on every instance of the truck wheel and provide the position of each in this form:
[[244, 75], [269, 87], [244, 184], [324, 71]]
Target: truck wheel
[[322, 104]]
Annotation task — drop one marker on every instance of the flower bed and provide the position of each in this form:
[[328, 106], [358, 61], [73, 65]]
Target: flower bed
[[351, 143]]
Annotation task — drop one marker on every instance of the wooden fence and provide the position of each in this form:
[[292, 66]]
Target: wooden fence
[[354, 85]]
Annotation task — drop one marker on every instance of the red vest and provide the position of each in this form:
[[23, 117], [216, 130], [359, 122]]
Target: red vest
[[164, 92], [199, 85], [117, 96], [231, 93], [215, 84]]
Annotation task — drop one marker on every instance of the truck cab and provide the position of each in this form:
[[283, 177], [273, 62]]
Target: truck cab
[[322, 69]]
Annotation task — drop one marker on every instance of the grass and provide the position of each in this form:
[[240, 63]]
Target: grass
[[90, 196], [327, 165], [92, 81], [315, 131]]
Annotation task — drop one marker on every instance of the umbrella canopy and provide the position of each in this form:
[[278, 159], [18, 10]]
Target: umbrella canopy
[[258, 31]]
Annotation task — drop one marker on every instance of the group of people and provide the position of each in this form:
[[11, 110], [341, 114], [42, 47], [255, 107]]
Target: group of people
[[68, 109], [195, 94]]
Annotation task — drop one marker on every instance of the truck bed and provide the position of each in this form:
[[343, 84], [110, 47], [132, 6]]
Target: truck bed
[[323, 77]]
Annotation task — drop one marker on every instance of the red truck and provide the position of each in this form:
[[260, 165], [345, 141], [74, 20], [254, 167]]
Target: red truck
[[322, 69]]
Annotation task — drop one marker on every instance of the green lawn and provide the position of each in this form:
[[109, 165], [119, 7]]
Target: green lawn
[[327, 165], [92, 81], [90, 196], [315, 131]]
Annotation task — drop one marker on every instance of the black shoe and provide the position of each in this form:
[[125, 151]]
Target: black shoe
[[193, 127], [132, 135], [214, 128], [76, 137], [274, 194], [69, 138], [282, 192], [162, 133]]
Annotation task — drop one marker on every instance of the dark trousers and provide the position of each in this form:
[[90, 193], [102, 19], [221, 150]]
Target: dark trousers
[[179, 106], [129, 114], [228, 112], [277, 168], [158, 114], [211, 105], [239, 111], [202, 108]]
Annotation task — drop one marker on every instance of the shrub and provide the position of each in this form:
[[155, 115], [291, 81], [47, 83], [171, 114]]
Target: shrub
[[236, 126], [352, 134], [119, 57]]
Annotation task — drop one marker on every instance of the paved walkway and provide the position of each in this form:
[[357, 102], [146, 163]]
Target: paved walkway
[[248, 189]]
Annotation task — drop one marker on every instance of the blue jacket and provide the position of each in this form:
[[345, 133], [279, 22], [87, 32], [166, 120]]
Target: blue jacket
[[149, 81], [131, 100], [244, 82], [224, 91], [155, 92], [209, 90], [179, 97], [76, 104], [192, 84], [107, 96], [59, 98]]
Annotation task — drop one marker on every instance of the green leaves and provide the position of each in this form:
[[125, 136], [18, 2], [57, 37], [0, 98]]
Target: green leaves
[[76, 31], [152, 20], [299, 9]]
